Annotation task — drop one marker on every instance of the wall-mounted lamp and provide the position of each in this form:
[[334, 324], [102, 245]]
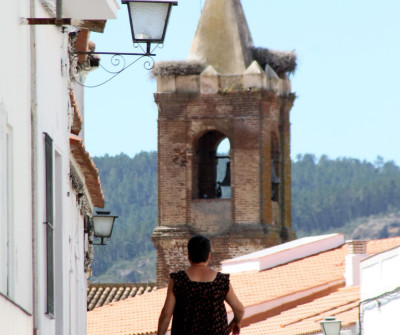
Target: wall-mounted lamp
[[331, 326], [148, 21], [103, 224]]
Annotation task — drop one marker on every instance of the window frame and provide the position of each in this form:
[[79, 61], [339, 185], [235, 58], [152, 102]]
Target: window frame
[[49, 200]]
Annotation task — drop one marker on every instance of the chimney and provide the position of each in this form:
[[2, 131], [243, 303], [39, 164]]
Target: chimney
[[357, 252]]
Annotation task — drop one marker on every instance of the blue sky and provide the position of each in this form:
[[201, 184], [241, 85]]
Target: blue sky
[[346, 82]]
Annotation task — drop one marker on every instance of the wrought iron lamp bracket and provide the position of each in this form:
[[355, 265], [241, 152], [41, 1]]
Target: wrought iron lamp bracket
[[117, 61]]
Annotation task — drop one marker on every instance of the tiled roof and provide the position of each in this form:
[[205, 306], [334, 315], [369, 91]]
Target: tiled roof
[[275, 292], [77, 117], [137, 315], [305, 319], [102, 294], [89, 170], [290, 278]]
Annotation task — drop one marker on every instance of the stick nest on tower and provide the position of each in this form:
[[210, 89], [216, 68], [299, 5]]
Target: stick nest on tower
[[177, 68], [281, 61]]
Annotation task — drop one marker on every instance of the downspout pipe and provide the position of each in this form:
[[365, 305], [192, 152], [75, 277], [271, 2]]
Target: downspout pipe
[[59, 13], [34, 187]]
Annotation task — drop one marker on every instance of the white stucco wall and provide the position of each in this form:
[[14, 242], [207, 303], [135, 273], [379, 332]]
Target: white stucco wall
[[53, 118], [15, 102], [14, 320], [34, 81], [380, 275]]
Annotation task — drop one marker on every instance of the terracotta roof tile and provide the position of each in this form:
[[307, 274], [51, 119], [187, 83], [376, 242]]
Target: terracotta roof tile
[[305, 319], [81, 44], [102, 294], [268, 284], [89, 170], [134, 315], [77, 117], [139, 315]]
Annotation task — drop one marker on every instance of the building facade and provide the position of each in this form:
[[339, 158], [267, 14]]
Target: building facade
[[48, 182], [380, 292], [227, 91]]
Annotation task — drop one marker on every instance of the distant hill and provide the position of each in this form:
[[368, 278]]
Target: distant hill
[[373, 227], [328, 194], [130, 189], [357, 198]]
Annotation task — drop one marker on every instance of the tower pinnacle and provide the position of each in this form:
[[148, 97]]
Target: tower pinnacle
[[223, 38]]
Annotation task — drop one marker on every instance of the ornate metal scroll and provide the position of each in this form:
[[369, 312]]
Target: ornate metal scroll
[[91, 61]]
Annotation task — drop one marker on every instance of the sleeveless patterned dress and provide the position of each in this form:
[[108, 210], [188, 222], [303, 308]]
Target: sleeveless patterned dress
[[199, 308]]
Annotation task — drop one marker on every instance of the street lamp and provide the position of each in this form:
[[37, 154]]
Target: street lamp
[[103, 224], [331, 326], [149, 20]]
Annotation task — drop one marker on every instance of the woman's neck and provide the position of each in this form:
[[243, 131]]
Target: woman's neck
[[200, 272], [203, 264]]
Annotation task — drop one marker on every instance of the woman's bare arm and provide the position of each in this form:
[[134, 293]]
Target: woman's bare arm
[[167, 311], [238, 311]]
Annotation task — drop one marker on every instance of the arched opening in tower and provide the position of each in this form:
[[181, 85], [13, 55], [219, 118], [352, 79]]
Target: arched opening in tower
[[275, 168], [223, 170], [211, 166]]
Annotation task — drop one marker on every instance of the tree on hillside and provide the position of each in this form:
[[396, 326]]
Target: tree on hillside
[[329, 193], [130, 188], [326, 195]]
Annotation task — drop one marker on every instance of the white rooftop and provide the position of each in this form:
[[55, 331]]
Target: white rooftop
[[283, 253]]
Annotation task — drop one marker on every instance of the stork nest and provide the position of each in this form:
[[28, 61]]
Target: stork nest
[[281, 61], [177, 68]]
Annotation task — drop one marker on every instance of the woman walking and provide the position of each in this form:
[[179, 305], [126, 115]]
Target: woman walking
[[195, 297]]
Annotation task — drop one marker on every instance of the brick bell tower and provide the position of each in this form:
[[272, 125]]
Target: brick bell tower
[[228, 92]]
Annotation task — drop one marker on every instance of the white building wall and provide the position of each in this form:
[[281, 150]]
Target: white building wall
[[14, 320], [380, 293], [52, 111], [53, 118], [36, 80], [15, 171]]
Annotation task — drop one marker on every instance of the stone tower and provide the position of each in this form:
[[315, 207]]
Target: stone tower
[[227, 89]]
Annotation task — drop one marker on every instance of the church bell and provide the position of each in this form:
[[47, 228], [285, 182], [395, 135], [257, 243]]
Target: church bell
[[227, 179], [275, 181]]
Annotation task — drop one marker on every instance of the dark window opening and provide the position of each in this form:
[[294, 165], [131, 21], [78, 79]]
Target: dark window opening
[[212, 167], [275, 169], [223, 170], [50, 225]]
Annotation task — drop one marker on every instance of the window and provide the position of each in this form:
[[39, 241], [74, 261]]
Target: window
[[223, 170], [59, 265], [211, 167], [49, 225], [6, 189], [275, 168]]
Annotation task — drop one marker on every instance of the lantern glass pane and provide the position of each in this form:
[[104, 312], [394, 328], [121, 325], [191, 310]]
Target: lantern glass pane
[[103, 226], [331, 327], [148, 20]]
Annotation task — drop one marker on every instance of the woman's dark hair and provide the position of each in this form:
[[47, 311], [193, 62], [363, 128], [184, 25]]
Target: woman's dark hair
[[199, 247]]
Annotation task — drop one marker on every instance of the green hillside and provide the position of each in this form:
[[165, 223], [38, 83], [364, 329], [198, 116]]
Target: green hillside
[[328, 194], [130, 189], [358, 198]]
